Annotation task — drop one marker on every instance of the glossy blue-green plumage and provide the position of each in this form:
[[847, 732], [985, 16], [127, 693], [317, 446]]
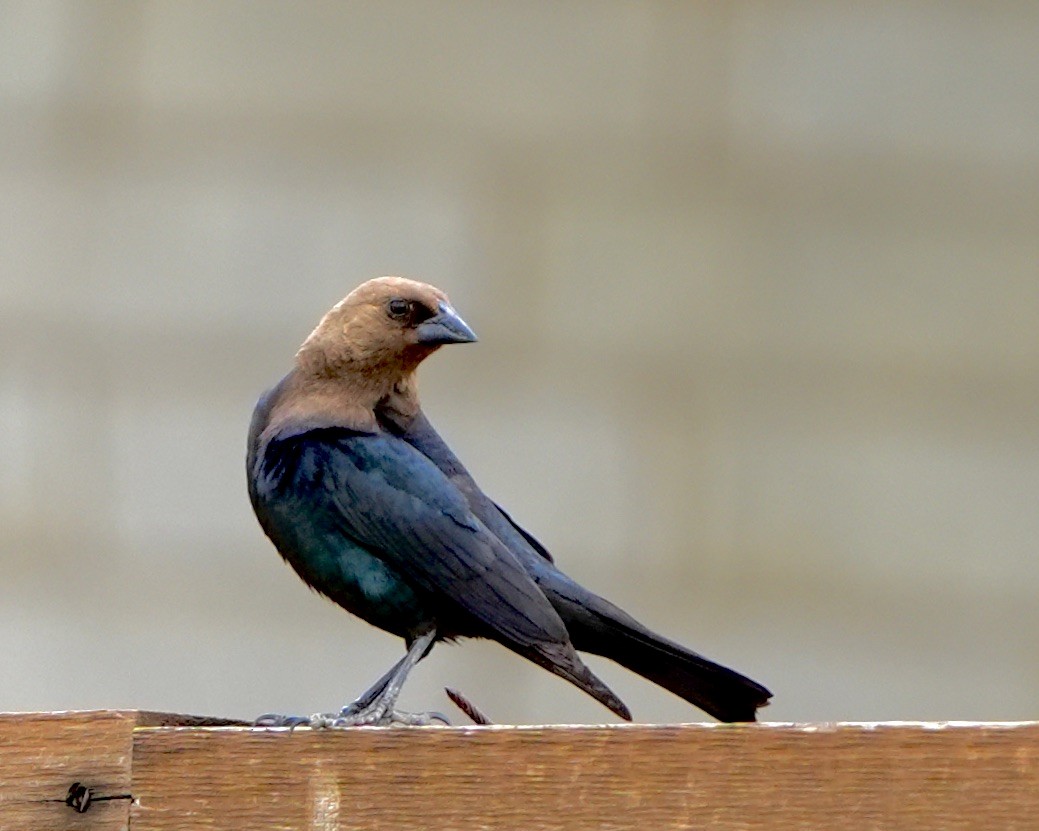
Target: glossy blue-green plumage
[[378, 527], [391, 526], [311, 540]]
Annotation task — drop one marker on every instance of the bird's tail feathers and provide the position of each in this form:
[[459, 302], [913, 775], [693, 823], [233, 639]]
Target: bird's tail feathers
[[721, 692]]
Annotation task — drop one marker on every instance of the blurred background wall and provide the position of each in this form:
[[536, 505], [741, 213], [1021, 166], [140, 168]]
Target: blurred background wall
[[757, 286]]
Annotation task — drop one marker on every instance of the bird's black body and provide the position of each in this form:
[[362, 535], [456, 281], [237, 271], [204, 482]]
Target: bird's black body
[[380, 516], [379, 528]]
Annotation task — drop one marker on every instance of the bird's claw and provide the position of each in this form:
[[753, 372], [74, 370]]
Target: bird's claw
[[348, 717], [422, 719], [373, 717], [276, 720]]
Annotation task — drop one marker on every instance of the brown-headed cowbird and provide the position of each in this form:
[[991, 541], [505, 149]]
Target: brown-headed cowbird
[[369, 506]]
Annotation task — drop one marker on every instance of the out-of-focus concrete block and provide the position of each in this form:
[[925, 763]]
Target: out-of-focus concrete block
[[948, 298], [37, 49], [584, 67], [918, 81], [629, 275]]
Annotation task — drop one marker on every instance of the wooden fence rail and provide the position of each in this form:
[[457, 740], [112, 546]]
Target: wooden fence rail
[[145, 771]]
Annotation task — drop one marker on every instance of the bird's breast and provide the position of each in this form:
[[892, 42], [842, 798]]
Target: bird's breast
[[293, 505]]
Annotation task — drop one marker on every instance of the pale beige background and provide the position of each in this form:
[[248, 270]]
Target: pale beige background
[[757, 286]]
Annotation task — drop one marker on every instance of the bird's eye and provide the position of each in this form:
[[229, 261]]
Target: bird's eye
[[398, 308]]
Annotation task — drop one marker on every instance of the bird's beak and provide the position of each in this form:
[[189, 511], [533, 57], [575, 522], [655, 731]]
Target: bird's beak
[[444, 327]]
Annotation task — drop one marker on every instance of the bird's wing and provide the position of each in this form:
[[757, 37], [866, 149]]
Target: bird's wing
[[401, 506], [532, 541], [421, 435]]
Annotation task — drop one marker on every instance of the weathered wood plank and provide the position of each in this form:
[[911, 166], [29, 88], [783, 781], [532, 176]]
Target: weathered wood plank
[[771, 777], [687, 776], [43, 754]]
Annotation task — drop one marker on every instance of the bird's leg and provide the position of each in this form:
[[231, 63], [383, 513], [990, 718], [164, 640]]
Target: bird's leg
[[375, 707], [366, 698], [366, 701]]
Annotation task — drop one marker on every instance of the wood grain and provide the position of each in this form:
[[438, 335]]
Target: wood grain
[[780, 776], [43, 754], [772, 777]]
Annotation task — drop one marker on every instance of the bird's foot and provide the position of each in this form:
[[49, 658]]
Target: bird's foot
[[277, 720], [352, 718], [374, 716]]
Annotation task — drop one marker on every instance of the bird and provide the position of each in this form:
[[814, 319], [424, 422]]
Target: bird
[[367, 503]]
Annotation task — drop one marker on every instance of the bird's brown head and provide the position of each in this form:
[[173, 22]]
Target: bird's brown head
[[385, 326]]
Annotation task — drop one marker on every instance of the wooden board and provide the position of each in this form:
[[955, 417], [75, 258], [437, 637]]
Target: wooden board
[[43, 754], [748, 777], [771, 777]]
